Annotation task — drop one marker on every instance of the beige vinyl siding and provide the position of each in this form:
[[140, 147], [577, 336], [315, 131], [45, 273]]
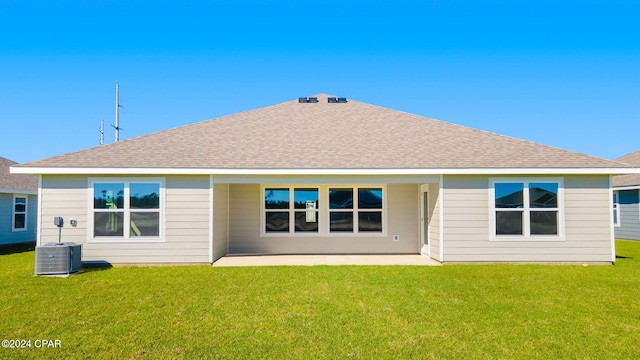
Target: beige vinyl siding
[[64, 196], [465, 217], [186, 222], [244, 219], [434, 221], [220, 220], [588, 215], [402, 219], [467, 227]]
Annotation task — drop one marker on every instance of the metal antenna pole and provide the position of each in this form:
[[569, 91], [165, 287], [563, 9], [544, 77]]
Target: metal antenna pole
[[118, 106], [117, 115], [102, 132]]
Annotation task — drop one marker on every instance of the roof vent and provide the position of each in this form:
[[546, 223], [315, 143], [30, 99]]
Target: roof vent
[[308, 100], [337, 100]]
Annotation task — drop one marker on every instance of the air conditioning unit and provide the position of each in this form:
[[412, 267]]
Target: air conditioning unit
[[58, 258]]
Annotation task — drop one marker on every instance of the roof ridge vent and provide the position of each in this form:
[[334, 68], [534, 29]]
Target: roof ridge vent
[[308, 99], [337, 100]]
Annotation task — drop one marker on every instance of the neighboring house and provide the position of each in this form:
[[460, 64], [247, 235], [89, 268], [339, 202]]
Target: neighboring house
[[329, 176], [18, 205], [626, 201]]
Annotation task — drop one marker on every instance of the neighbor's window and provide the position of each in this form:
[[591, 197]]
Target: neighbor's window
[[526, 208], [291, 210], [627, 198], [19, 213], [355, 210], [616, 210], [127, 209]]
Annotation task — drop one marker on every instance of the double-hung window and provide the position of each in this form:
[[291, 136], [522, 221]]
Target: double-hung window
[[526, 209], [128, 210], [291, 210], [355, 210], [19, 213]]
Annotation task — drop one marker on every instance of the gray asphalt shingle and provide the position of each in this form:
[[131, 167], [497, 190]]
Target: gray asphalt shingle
[[17, 182], [632, 179], [352, 135]]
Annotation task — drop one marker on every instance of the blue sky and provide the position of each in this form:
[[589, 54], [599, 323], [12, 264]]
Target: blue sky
[[561, 73]]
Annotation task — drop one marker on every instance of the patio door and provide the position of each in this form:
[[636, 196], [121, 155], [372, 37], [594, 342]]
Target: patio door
[[424, 221]]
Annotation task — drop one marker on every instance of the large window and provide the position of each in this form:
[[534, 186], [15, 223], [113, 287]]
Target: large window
[[526, 209], [286, 206], [355, 210], [19, 213], [322, 210], [127, 209]]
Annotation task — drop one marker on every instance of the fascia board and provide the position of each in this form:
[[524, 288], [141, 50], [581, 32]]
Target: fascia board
[[212, 171], [633, 187]]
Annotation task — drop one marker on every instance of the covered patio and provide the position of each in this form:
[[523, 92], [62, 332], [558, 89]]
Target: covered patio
[[313, 260]]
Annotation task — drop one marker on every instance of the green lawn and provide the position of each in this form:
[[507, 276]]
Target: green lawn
[[362, 312]]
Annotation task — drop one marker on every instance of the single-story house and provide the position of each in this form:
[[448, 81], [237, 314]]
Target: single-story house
[[329, 175], [18, 205], [626, 200]]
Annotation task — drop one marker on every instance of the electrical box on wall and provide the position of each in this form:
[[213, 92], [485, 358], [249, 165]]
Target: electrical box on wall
[[396, 237]]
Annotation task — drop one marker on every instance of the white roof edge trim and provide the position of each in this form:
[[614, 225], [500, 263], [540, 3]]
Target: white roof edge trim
[[630, 187], [205, 171]]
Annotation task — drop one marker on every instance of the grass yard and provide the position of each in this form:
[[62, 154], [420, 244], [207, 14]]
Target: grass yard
[[361, 312]]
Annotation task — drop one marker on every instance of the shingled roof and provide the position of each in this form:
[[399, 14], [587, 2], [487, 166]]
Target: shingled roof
[[323, 135], [15, 182], [628, 180]]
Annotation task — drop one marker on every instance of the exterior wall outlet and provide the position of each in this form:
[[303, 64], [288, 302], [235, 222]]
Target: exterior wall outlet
[[396, 237]]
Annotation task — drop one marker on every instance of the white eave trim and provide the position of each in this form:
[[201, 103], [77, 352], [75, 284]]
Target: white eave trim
[[629, 187], [205, 171]]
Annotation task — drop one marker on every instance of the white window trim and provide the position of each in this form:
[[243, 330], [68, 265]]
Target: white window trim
[[616, 208], [355, 210], [291, 211], [14, 213], [127, 211], [526, 210], [323, 211]]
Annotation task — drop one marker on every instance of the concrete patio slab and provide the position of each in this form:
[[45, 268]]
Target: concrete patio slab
[[311, 260]]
